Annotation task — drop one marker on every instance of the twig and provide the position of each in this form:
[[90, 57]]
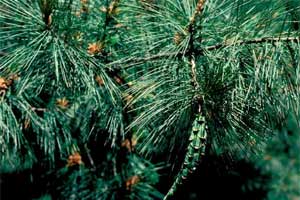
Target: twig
[[90, 157], [194, 74], [39, 109], [215, 47], [253, 41]]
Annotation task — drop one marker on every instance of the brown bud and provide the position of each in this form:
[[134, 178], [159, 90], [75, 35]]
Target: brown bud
[[177, 38], [3, 83], [132, 181], [62, 103], [95, 48], [74, 159], [49, 20], [26, 123], [129, 144], [118, 79], [127, 97], [99, 80]]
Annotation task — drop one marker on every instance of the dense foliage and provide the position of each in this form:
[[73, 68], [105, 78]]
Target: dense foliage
[[280, 164], [108, 98]]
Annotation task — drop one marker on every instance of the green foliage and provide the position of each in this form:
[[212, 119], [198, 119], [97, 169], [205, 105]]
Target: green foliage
[[281, 163], [235, 60], [236, 80], [134, 181], [46, 47], [59, 96], [95, 77]]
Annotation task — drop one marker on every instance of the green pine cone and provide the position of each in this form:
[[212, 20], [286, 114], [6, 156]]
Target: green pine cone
[[195, 151]]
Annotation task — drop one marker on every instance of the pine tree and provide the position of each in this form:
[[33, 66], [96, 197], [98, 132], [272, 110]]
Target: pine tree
[[90, 90]]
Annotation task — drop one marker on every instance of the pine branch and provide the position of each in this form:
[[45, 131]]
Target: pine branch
[[198, 136], [109, 17], [213, 48], [192, 50], [253, 41]]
